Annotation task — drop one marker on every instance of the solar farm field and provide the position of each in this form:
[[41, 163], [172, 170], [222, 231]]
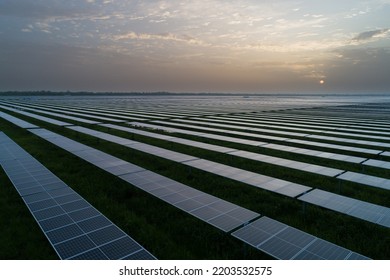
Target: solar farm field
[[181, 176]]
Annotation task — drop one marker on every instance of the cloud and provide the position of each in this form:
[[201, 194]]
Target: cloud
[[368, 35], [359, 69], [162, 36]]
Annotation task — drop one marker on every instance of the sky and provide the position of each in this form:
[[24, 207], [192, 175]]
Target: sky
[[251, 46]]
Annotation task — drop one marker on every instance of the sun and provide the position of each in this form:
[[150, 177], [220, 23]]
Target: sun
[[322, 82]]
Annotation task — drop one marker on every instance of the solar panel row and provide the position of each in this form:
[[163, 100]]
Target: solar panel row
[[287, 243], [50, 114], [35, 116], [62, 112], [352, 207], [375, 144], [74, 228], [16, 121], [93, 112], [368, 180]]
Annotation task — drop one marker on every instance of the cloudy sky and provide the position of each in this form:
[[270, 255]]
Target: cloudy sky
[[195, 46]]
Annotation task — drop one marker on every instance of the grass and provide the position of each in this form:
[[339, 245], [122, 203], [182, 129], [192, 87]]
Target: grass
[[172, 234]]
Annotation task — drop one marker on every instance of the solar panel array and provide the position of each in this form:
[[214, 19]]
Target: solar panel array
[[237, 174], [234, 152], [222, 214], [359, 142], [74, 228], [219, 213], [243, 176]]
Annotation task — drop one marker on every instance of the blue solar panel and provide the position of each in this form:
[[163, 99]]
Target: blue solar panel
[[64, 233], [73, 247], [284, 242], [95, 254], [106, 235], [120, 248], [63, 215]]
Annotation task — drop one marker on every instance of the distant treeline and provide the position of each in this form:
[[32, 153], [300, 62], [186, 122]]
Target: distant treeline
[[90, 93], [65, 93]]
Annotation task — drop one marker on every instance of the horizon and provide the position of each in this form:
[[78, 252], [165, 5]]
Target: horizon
[[215, 47]]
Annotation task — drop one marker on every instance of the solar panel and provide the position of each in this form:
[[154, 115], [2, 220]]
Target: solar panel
[[48, 213], [94, 254], [83, 214], [224, 222], [55, 222], [140, 255], [73, 247], [43, 204], [206, 213], [188, 205], [75, 205], [120, 248], [284, 242], [106, 235], [65, 233], [94, 223], [67, 198], [36, 197]]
